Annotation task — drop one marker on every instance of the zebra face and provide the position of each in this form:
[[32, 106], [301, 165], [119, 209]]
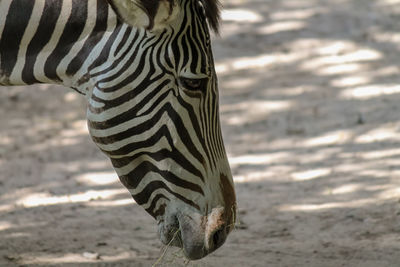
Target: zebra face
[[159, 125]]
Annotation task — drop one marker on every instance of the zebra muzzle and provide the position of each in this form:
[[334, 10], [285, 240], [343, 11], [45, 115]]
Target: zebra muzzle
[[200, 235]]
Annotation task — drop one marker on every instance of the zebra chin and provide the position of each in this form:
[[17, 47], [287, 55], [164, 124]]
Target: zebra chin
[[196, 234]]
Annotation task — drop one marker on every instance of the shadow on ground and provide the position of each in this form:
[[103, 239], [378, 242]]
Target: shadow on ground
[[309, 106]]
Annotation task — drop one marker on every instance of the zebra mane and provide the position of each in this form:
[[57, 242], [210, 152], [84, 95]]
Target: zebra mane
[[212, 10]]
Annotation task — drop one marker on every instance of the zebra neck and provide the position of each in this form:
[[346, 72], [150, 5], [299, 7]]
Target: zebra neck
[[55, 41]]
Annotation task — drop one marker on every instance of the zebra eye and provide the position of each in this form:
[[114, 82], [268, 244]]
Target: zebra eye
[[193, 84]]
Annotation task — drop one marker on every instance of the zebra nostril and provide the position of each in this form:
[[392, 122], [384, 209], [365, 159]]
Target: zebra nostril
[[218, 238]]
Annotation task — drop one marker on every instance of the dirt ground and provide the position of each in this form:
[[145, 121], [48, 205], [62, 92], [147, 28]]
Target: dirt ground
[[310, 93]]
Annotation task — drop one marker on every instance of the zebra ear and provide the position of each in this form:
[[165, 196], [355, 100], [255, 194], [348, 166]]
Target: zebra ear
[[149, 14]]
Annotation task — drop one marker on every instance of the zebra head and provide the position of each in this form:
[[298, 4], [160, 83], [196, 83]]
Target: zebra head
[[164, 138]]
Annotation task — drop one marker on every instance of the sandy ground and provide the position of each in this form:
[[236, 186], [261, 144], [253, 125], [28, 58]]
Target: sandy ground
[[310, 110]]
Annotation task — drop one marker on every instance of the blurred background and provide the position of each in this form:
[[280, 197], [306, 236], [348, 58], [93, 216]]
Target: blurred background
[[309, 92]]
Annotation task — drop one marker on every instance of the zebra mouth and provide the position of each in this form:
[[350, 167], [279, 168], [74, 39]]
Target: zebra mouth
[[180, 235], [175, 238], [170, 233]]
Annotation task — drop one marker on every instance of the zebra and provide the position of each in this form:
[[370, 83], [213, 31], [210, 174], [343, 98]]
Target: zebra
[[147, 71]]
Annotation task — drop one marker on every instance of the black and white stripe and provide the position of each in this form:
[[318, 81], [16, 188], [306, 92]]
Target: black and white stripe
[[152, 96]]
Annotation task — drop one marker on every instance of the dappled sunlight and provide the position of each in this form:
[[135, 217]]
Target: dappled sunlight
[[12, 230], [5, 140], [45, 199], [370, 91], [76, 258], [310, 174], [299, 14], [291, 91], [385, 153], [392, 193], [375, 173], [71, 97], [111, 203], [239, 84], [385, 193], [309, 107], [256, 63], [4, 225], [343, 189], [98, 178], [19, 235], [253, 110], [65, 137], [303, 162], [63, 142], [327, 206], [392, 37], [388, 2], [351, 80], [385, 132], [360, 55], [85, 168], [333, 47], [6, 207], [240, 15], [269, 158], [331, 138], [263, 174], [77, 128], [281, 26], [342, 69]]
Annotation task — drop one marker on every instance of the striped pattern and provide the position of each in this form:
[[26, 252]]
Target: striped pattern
[[160, 131], [56, 39]]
